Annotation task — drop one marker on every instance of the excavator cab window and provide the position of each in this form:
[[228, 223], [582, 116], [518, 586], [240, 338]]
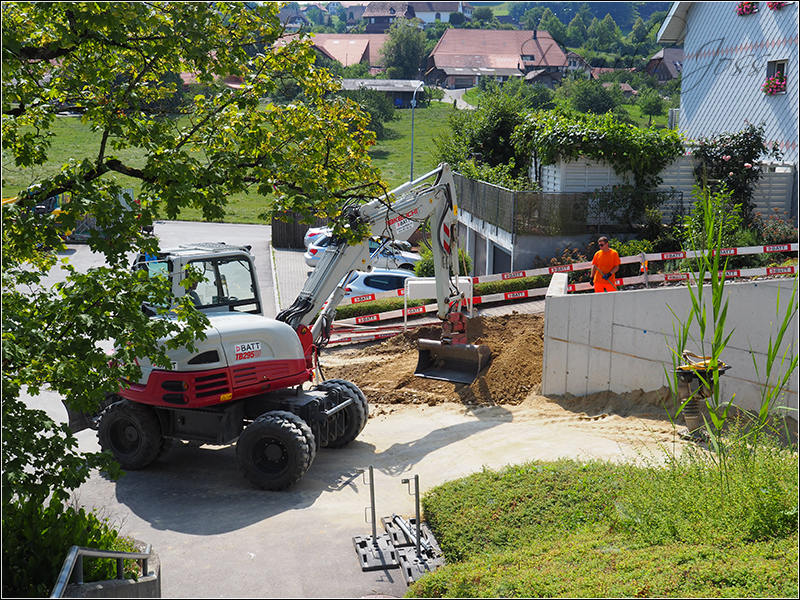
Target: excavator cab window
[[228, 284]]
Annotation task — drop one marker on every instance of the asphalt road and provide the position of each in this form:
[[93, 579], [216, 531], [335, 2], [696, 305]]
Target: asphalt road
[[217, 536]]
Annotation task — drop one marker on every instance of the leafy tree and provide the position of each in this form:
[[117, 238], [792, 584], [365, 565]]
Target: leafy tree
[[403, 50], [591, 96], [651, 104], [553, 25], [604, 35], [483, 13], [484, 134], [377, 104], [110, 62], [577, 32], [532, 17], [456, 18]]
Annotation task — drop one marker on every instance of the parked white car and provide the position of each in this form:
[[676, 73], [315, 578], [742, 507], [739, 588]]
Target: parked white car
[[314, 232], [361, 283], [392, 256]]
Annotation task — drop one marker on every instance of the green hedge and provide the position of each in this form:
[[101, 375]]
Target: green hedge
[[350, 311], [36, 540]]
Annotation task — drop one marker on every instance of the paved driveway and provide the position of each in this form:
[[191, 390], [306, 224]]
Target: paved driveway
[[217, 536]]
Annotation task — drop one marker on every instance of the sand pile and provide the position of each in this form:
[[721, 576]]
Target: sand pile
[[385, 371]]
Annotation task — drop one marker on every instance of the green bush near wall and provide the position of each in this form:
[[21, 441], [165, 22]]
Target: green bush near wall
[[482, 289]]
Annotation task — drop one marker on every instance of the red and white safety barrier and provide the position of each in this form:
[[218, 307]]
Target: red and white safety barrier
[[376, 333]]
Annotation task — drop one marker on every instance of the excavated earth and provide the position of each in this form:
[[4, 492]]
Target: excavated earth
[[385, 373]]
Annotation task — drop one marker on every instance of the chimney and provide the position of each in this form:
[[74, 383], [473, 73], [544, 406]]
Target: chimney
[[534, 34]]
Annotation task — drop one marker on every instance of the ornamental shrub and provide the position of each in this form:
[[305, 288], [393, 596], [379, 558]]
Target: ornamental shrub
[[639, 155], [730, 161], [36, 540]]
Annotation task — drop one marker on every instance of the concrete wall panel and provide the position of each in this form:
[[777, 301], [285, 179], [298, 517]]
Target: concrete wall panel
[[632, 333]]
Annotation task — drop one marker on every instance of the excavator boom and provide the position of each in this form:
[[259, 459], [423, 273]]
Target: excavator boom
[[396, 217]]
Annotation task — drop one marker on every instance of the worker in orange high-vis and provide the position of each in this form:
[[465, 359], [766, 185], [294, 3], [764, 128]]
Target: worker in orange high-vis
[[605, 265]]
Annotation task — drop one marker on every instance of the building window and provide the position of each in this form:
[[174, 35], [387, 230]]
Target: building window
[[776, 78]]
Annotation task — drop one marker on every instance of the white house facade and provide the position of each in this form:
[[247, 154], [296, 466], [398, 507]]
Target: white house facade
[[730, 50], [430, 12]]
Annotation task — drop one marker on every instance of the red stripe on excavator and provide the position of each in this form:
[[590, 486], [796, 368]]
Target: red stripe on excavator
[[199, 389]]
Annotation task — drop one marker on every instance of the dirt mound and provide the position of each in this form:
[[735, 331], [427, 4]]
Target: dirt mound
[[385, 371]]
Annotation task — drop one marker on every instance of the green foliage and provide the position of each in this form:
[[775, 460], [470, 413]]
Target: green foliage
[[375, 103], [114, 63], [775, 229], [36, 540], [424, 268], [730, 161], [483, 13], [502, 175], [485, 134], [630, 248], [634, 153], [568, 256], [652, 104], [511, 285], [677, 502], [601, 529], [591, 97], [403, 50], [626, 204], [349, 311]]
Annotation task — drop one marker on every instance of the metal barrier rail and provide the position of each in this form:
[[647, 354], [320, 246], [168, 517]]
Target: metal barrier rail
[[75, 556], [350, 325]]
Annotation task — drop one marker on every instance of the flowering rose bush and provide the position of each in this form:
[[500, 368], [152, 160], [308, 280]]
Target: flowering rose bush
[[774, 85], [776, 5], [731, 160]]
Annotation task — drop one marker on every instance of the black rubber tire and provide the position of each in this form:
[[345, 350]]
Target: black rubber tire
[[275, 450], [356, 414], [132, 432]]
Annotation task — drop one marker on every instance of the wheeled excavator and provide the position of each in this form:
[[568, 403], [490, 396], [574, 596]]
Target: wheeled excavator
[[249, 380]]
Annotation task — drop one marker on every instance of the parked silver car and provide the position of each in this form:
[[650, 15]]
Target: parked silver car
[[390, 257], [361, 283]]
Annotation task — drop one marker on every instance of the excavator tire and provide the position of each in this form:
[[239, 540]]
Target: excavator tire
[[132, 432], [355, 415], [275, 450]]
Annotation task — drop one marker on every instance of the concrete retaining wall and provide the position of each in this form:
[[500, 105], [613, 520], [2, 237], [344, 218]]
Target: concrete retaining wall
[[621, 341]]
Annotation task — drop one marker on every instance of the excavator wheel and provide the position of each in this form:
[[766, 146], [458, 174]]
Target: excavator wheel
[[133, 434], [355, 415], [275, 450]]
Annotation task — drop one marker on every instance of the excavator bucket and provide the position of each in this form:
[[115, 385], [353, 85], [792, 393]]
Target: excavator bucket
[[458, 363]]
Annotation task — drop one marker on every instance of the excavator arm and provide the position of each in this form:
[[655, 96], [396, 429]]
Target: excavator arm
[[396, 217]]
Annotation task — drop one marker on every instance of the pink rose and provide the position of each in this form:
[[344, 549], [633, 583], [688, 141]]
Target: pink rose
[[748, 166], [726, 157]]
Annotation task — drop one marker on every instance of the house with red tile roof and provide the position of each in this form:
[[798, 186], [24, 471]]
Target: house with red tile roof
[[353, 48], [462, 56], [349, 48]]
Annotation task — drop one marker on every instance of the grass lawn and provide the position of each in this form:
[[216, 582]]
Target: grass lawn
[[392, 156], [683, 527]]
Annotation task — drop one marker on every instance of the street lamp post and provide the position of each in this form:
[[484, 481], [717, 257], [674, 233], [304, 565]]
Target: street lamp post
[[413, 105]]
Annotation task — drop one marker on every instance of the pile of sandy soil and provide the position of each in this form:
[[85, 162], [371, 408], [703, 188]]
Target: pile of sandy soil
[[385, 371]]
